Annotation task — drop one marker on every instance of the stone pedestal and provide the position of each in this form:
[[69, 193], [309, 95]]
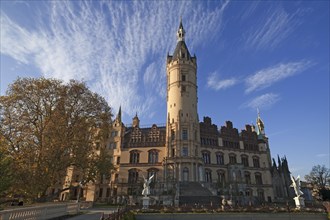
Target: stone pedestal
[[145, 202], [299, 201]]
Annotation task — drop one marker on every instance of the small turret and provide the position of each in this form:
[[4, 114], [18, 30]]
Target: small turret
[[136, 121]]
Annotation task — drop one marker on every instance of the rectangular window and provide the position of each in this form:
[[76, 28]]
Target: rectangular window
[[184, 134], [256, 163], [183, 77], [172, 134], [185, 151], [258, 179], [118, 160], [247, 177]]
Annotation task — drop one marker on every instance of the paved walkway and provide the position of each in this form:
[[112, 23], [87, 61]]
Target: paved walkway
[[93, 214]]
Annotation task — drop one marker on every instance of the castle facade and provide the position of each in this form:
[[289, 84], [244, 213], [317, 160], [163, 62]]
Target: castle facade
[[190, 160]]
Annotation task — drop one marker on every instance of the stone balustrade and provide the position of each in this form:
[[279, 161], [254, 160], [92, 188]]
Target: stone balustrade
[[43, 212]]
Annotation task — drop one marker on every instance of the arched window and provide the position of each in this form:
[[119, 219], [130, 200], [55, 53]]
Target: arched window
[[245, 160], [256, 162], [153, 156], [206, 157], [232, 159], [133, 176], [220, 158], [152, 171], [134, 156]]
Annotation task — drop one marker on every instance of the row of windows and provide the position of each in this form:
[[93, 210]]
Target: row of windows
[[149, 139], [251, 147], [236, 177], [232, 159], [229, 144], [135, 156], [209, 141]]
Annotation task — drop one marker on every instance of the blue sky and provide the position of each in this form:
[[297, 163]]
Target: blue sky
[[271, 55]]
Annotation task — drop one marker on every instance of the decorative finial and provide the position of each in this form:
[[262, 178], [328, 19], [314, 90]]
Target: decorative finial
[[181, 32], [260, 124]]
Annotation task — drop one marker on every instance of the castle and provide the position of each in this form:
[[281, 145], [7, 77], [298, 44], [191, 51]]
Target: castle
[[191, 161]]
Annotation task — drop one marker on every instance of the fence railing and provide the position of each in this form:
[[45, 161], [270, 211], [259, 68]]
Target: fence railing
[[116, 215], [43, 212]]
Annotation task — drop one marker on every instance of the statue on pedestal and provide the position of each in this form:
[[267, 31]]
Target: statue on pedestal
[[299, 200], [146, 192], [146, 187]]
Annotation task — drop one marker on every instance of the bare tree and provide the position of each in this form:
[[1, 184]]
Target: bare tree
[[319, 176]]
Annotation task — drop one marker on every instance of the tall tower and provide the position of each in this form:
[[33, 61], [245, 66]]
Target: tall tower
[[183, 137]]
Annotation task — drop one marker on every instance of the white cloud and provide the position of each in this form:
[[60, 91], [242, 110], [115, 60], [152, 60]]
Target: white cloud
[[215, 83], [264, 101], [266, 77], [272, 28], [118, 48]]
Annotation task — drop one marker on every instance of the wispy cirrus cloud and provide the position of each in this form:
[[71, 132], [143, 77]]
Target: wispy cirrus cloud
[[275, 25], [268, 76], [213, 82], [264, 101], [118, 48]]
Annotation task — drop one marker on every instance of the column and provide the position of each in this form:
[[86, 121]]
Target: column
[[180, 172], [196, 170], [192, 172]]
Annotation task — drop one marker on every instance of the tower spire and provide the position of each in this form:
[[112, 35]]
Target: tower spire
[[181, 32], [119, 114]]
